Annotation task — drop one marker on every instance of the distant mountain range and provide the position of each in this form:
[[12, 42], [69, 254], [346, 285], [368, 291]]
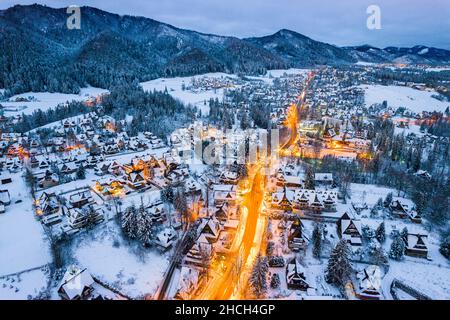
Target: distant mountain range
[[40, 53], [416, 54]]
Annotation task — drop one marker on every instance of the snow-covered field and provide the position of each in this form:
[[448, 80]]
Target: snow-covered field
[[364, 63], [432, 280], [46, 100], [22, 243], [276, 73], [437, 69], [25, 285], [109, 258], [174, 85], [369, 193], [399, 96]]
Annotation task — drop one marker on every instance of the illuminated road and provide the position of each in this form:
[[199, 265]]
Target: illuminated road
[[223, 285], [228, 281], [293, 114]]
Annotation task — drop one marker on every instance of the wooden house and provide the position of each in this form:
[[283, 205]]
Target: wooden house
[[76, 284], [417, 245], [350, 229], [295, 276]]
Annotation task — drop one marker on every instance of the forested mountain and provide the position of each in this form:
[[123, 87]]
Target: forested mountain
[[39, 53], [416, 54], [301, 51]]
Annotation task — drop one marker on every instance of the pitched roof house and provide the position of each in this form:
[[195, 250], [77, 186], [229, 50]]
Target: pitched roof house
[[350, 229], [417, 245], [76, 284], [295, 276], [369, 283]]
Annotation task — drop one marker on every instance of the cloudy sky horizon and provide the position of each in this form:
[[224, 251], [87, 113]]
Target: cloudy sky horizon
[[403, 22]]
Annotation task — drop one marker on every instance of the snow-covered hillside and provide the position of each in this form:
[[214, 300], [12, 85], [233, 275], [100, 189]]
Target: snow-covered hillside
[[45, 100], [398, 96]]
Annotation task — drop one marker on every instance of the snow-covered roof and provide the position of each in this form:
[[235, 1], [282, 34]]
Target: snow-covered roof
[[75, 280], [370, 278], [188, 281], [417, 241]]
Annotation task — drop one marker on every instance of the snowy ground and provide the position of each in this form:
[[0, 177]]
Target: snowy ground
[[277, 73], [22, 242], [398, 96], [174, 86], [108, 257], [413, 128], [437, 69], [197, 99], [46, 100], [369, 193], [23, 246], [25, 285]]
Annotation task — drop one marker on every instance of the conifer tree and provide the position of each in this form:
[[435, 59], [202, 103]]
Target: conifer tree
[[339, 267], [404, 234], [258, 277], [388, 199], [317, 241], [381, 233], [397, 248], [309, 180]]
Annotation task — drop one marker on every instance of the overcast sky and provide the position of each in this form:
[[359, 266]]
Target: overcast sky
[[340, 22]]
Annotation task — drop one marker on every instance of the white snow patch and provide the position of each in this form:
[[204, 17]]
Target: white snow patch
[[423, 51], [26, 285], [399, 96], [46, 100], [112, 260], [174, 87], [364, 63], [22, 239]]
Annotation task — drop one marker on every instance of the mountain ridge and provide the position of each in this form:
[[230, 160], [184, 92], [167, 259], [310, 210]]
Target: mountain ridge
[[41, 54]]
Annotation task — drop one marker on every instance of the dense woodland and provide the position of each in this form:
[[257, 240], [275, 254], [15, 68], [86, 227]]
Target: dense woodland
[[157, 112]]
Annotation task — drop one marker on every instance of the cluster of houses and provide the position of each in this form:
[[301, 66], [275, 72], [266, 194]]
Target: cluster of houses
[[291, 193], [140, 174], [188, 142], [69, 213], [75, 143], [205, 83], [217, 226], [314, 201]]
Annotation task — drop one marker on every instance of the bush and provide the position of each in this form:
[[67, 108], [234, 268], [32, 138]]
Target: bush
[[276, 261], [444, 248], [269, 248], [275, 281]]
